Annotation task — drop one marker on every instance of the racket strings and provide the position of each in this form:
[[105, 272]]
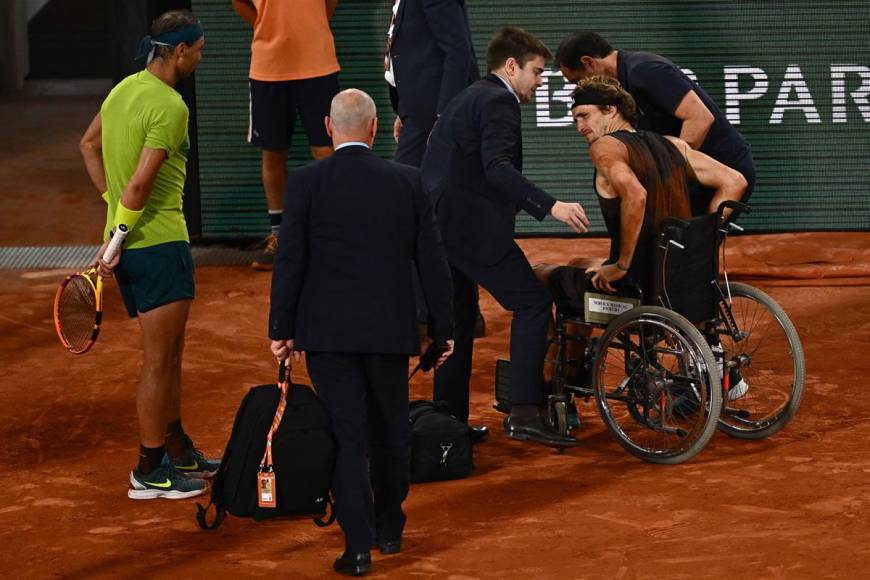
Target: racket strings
[[76, 312]]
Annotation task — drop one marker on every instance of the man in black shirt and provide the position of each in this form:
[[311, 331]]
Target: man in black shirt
[[670, 102]]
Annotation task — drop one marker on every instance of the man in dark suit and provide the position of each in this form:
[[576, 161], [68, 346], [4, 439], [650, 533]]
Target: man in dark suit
[[473, 168], [341, 291], [429, 59]]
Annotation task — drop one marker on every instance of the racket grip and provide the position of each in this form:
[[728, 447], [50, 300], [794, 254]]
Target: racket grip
[[115, 243]]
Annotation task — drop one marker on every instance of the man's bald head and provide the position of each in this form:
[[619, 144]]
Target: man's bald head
[[352, 116]]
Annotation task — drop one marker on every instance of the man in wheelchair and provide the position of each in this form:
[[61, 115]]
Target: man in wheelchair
[[641, 179], [668, 368]]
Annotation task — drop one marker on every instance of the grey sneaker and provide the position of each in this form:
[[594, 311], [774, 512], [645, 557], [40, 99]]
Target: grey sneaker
[[164, 482], [264, 261], [194, 464]]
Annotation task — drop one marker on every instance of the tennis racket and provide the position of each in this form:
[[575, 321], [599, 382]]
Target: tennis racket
[[78, 304]]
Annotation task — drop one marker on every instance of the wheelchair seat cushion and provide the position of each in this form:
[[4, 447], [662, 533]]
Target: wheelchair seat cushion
[[567, 285]]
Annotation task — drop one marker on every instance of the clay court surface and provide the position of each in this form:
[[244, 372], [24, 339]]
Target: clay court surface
[[794, 506]]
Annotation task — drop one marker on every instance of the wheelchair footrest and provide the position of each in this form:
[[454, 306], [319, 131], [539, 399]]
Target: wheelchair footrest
[[502, 386]]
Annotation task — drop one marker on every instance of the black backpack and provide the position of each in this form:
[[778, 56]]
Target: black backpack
[[440, 443], [303, 457]]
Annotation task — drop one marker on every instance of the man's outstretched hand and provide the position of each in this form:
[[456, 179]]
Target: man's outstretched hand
[[571, 214]]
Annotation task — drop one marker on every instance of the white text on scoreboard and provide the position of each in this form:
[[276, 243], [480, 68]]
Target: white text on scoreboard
[[849, 95]]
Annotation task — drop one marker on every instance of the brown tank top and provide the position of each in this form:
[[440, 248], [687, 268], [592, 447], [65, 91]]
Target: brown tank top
[[663, 172]]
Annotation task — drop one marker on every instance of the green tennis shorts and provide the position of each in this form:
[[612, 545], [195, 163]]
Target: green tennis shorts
[[155, 276]]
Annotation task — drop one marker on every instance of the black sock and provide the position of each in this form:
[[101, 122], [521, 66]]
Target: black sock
[[150, 458], [524, 411], [176, 441], [275, 220]]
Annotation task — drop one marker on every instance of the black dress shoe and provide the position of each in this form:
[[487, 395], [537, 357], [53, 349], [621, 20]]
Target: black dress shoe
[[537, 430], [353, 564], [389, 546], [478, 433]]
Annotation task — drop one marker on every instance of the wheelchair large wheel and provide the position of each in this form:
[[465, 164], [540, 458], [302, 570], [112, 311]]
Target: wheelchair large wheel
[[767, 355], [657, 385]]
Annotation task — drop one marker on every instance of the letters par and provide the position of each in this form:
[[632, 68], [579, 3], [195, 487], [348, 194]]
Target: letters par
[[849, 90]]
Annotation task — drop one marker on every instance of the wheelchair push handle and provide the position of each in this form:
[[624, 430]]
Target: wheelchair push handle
[[737, 208], [672, 233]]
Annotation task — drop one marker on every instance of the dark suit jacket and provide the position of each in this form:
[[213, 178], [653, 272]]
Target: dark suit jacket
[[341, 280], [433, 57], [473, 166]]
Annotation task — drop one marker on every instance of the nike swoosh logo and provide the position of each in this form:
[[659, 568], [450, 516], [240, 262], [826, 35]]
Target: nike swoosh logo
[[192, 467], [165, 484]]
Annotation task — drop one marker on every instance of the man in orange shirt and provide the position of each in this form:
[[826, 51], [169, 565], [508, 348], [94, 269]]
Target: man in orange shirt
[[293, 68]]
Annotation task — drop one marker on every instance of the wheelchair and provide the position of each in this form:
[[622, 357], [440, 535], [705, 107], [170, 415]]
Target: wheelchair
[[697, 352]]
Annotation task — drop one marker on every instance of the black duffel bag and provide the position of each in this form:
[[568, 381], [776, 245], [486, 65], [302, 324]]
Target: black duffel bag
[[302, 458], [440, 443]]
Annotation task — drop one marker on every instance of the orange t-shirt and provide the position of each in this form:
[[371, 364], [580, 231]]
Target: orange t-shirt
[[292, 40]]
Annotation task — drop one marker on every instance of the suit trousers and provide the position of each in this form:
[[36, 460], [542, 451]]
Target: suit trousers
[[515, 287], [367, 399], [413, 139], [409, 151]]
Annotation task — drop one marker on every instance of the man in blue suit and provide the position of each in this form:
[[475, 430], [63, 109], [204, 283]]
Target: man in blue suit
[[472, 167], [428, 61]]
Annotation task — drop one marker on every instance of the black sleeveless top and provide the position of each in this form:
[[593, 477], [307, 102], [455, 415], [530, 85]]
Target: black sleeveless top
[[662, 171]]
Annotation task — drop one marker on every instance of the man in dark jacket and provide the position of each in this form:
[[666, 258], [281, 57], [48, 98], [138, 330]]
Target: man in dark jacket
[[341, 292], [473, 168], [429, 60]]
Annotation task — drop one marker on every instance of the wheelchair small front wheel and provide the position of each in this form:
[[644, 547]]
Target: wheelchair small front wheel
[[560, 411], [766, 373], [657, 385]]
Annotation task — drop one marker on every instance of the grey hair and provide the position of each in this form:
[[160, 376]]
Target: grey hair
[[351, 111]]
